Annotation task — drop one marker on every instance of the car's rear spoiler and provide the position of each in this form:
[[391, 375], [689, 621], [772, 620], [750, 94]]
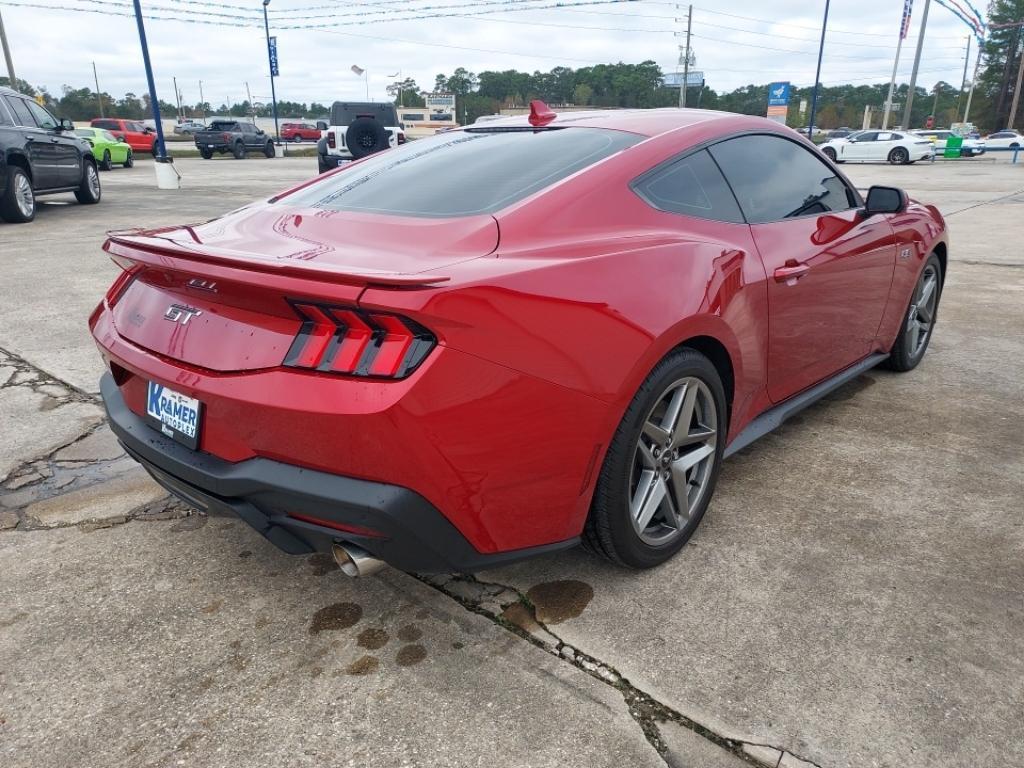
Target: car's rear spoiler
[[157, 250]]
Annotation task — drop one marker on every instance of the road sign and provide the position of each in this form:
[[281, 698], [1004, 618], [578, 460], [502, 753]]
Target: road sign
[[272, 44], [675, 79]]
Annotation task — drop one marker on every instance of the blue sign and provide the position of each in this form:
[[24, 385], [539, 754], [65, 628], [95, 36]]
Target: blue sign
[[778, 95], [272, 43]]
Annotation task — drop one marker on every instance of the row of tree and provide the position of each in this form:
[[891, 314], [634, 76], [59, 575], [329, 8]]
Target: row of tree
[[632, 85]]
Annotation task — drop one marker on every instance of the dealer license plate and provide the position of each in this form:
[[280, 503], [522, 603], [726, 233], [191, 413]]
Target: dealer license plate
[[174, 414]]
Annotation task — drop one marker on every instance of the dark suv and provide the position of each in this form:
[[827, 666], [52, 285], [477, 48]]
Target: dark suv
[[40, 155]]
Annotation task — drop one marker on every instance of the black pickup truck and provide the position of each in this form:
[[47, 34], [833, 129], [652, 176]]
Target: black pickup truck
[[234, 136]]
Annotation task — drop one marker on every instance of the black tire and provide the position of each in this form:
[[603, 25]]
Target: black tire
[[268, 149], [609, 530], [105, 164], [899, 156], [830, 153], [1015, 145], [206, 154], [18, 200], [238, 150], [129, 161], [365, 136], [89, 191], [906, 353], [321, 164], [296, 138]]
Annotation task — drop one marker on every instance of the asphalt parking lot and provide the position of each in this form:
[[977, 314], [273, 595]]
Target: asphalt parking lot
[[854, 597]]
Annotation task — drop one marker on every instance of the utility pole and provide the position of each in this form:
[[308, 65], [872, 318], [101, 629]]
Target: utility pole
[[963, 80], [974, 79], [252, 110], [177, 97], [935, 104], [905, 123], [892, 86], [202, 101], [817, 74], [96, 78], [7, 56], [1016, 92], [686, 58]]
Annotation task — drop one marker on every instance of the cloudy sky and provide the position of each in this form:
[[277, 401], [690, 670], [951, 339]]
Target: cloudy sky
[[222, 43]]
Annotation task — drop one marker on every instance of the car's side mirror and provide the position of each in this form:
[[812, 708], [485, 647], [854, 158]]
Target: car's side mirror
[[259, 131], [885, 200], [149, 130], [65, 125], [321, 125]]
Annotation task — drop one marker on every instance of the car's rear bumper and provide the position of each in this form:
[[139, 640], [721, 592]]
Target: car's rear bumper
[[281, 501]]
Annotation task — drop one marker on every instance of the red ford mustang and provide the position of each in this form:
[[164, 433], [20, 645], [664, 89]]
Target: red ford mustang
[[505, 340]]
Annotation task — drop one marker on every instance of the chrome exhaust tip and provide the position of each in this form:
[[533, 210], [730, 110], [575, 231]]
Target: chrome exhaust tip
[[355, 561]]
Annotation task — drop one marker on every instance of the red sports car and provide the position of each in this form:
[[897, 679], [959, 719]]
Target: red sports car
[[508, 339]]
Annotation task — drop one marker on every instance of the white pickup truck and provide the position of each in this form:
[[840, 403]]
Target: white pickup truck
[[358, 129]]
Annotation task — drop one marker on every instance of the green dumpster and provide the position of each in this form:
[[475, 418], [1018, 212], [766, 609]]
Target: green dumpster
[[954, 145]]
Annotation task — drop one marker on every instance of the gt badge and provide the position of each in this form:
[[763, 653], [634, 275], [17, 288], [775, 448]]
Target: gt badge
[[181, 313]]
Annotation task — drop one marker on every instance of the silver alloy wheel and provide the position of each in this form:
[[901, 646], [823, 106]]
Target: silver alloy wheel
[[921, 316], [92, 178], [24, 196], [673, 461], [899, 156]]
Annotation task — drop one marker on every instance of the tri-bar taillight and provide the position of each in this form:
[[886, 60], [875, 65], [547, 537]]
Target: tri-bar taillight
[[356, 342]]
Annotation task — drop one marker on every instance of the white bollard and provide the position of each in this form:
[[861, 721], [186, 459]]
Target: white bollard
[[167, 176]]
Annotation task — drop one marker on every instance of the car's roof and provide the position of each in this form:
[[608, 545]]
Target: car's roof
[[647, 122]]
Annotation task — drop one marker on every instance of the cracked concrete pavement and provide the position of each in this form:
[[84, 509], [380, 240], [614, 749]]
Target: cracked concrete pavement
[[855, 595]]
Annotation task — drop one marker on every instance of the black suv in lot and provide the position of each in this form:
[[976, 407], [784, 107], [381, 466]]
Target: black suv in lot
[[40, 155]]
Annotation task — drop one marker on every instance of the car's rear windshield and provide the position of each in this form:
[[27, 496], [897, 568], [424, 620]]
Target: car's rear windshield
[[345, 113], [463, 173], [223, 125]]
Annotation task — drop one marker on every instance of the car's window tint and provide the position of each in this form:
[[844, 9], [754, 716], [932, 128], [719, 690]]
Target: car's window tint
[[5, 116], [463, 173], [868, 136], [43, 118], [108, 136], [109, 124], [776, 179], [22, 115], [693, 186]]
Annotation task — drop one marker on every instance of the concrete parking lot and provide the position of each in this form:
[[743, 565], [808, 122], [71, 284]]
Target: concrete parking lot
[[854, 597]]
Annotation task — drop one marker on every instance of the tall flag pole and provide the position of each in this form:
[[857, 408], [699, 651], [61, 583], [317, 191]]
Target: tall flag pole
[[908, 6]]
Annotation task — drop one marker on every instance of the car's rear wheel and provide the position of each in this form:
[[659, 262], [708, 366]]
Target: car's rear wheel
[[129, 160], [206, 154], [296, 138], [105, 164], [18, 201], [899, 156], [919, 319], [660, 470], [238, 150], [268, 149], [830, 153], [89, 191]]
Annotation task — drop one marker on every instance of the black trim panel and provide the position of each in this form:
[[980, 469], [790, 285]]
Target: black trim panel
[[773, 418], [410, 533]]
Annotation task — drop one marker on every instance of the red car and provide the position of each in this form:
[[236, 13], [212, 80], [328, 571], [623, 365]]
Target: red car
[[139, 136], [508, 339], [300, 132]]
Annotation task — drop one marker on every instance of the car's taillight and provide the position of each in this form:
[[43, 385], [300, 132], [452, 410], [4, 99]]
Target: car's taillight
[[354, 342], [401, 138], [331, 141]]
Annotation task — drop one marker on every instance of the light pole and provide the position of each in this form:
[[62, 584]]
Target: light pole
[[905, 122], [7, 56], [817, 76], [273, 65], [154, 103]]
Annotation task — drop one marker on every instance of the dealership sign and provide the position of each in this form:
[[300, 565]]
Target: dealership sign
[[440, 102], [778, 102], [272, 47]]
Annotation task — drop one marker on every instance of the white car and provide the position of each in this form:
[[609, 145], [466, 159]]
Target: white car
[[897, 147], [1008, 139], [358, 129], [969, 148]]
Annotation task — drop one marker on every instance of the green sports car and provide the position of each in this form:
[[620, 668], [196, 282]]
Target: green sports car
[[106, 148]]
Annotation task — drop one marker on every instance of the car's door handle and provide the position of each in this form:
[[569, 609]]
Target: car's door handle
[[791, 271]]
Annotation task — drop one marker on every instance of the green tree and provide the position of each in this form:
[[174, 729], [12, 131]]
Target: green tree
[[1002, 51]]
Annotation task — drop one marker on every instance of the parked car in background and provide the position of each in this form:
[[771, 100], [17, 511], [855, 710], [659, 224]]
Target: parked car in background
[[896, 147], [506, 340], [840, 133], [1008, 139], [139, 136], [238, 137], [189, 127], [358, 129], [968, 148], [107, 149], [40, 155], [299, 132]]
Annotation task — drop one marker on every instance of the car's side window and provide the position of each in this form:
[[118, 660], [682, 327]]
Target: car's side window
[[692, 186], [6, 118], [867, 136], [43, 118], [775, 179], [21, 114]]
